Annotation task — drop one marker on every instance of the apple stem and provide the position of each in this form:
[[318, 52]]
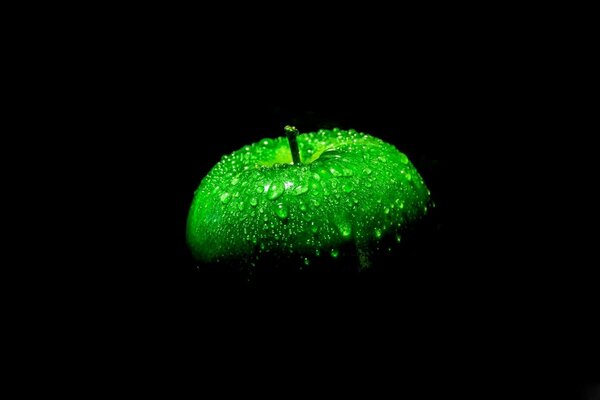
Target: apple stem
[[291, 133]]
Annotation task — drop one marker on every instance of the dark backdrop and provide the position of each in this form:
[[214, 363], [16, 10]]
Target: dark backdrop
[[466, 300]]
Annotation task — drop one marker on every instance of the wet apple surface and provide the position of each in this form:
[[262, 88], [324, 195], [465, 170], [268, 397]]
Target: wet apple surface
[[348, 186]]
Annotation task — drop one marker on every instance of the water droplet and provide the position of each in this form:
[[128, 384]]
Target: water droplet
[[266, 142], [425, 209], [317, 252], [260, 189], [403, 158], [316, 177], [235, 181], [367, 171], [306, 261], [225, 197], [275, 191], [347, 172], [253, 202], [335, 253], [345, 229], [378, 233], [281, 210], [335, 172], [386, 210], [241, 206], [314, 228], [347, 187], [408, 177], [398, 238], [300, 189], [303, 207]]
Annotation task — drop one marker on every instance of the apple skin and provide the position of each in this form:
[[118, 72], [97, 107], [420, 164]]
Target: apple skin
[[350, 187]]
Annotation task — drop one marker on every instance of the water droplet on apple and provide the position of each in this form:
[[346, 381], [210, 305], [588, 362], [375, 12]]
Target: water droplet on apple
[[347, 172], [367, 171], [275, 190], [386, 210], [335, 253], [403, 158], [253, 202], [300, 189], [313, 227], [235, 181], [334, 172], [347, 187], [281, 211], [398, 238], [317, 252], [378, 233], [225, 197], [241, 206], [303, 207], [345, 229], [306, 261]]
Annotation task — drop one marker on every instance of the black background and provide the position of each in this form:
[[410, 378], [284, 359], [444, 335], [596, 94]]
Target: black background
[[456, 304], [470, 306]]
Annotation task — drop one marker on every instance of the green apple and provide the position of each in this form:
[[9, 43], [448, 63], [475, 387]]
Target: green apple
[[304, 196]]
